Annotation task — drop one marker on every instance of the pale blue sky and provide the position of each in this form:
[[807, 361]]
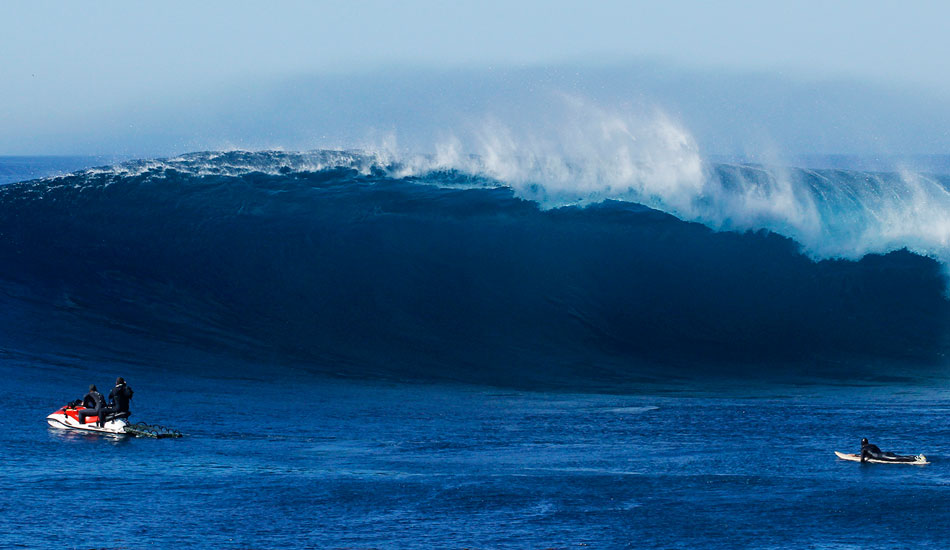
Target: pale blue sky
[[98, 77]]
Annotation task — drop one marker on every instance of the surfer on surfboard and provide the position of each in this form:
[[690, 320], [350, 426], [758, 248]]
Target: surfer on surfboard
[[870, 450]]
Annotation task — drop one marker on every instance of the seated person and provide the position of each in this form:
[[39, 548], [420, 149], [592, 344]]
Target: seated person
[[120, 396], [94, 404]]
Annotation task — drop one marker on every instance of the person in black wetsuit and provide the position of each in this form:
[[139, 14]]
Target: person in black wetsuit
[[93, 403], [870, 450], [120, 396]]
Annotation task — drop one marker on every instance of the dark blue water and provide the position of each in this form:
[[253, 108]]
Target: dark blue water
[[293, 461], [362, 358], [330, 261]]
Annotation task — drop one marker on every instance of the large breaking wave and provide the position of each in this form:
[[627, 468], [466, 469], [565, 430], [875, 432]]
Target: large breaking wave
[[505, 266]]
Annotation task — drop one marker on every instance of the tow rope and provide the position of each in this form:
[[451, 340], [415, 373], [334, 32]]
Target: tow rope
[[141, 429]]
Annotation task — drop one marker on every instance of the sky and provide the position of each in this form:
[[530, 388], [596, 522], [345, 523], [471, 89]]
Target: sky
[[161, 78]]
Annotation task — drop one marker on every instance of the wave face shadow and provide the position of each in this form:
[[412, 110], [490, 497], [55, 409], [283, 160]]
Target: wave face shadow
[[355, 272]]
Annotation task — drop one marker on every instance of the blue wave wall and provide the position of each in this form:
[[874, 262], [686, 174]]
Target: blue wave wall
[[352, 270]]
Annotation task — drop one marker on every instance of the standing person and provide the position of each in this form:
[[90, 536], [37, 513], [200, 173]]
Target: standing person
[[120, 396], [93, 403]]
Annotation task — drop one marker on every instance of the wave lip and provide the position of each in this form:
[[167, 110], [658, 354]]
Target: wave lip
[[831, 213]]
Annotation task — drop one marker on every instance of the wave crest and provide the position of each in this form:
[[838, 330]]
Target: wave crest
[[585, 155]]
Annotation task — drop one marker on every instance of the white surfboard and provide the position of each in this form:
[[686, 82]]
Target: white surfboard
[[921, 459]]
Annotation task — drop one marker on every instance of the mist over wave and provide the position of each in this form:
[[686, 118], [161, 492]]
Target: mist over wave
[[435, 266], [592, 154]]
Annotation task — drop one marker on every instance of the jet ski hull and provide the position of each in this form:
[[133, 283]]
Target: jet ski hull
[[68, 419]]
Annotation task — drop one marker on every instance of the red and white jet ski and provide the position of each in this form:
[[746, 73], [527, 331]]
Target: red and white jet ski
[[67, 418]]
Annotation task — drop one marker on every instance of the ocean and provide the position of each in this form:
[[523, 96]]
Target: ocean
[[372, 351]]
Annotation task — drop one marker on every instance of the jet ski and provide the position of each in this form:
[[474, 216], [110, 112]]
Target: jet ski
[[67, 418]]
